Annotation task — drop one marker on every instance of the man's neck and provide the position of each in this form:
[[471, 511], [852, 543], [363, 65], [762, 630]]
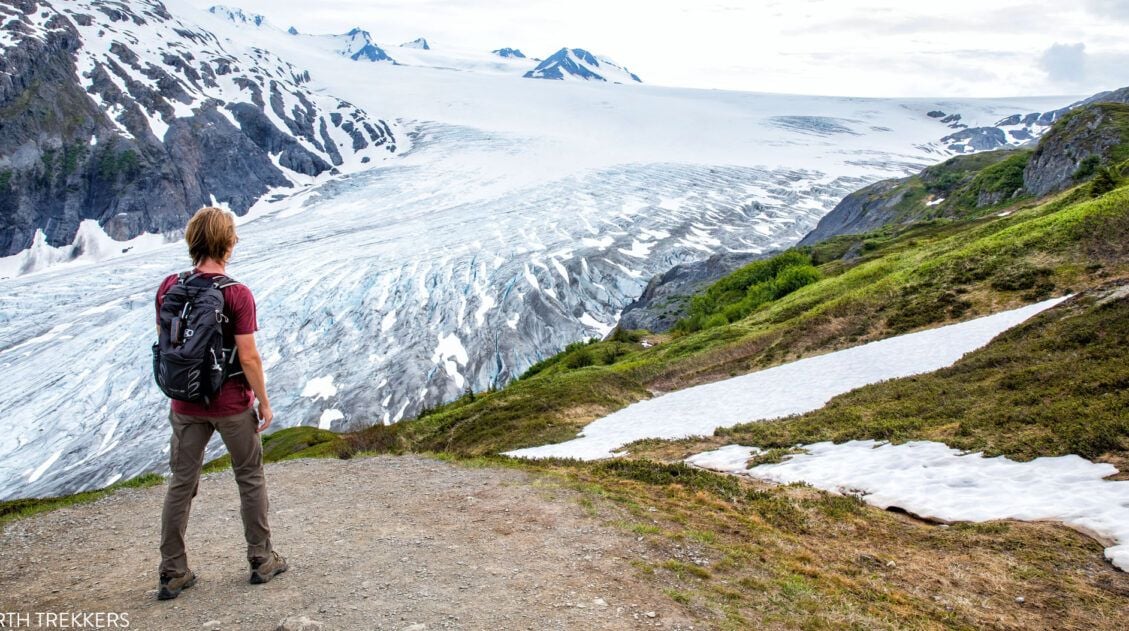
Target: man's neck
[[211, 267]]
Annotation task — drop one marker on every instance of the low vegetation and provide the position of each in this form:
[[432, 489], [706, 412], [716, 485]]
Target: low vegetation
[[293, 442], [740, 293], [742, 555], [14, 509], [1055, 385]]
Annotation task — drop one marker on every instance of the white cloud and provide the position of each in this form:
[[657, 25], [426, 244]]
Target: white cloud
[[1118, 9], [1065, 63], [1073, 67]]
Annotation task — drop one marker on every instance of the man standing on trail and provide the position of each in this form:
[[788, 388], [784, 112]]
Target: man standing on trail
[[229, 408]]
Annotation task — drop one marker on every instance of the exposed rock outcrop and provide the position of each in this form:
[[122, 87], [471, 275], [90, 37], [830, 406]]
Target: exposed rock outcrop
[[1100, 130], [862, 211], [666, 298]]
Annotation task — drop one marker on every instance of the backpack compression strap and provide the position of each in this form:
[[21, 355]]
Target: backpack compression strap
[[234, 368]]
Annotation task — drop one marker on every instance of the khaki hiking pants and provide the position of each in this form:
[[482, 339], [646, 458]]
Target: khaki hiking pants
[[190, 435]]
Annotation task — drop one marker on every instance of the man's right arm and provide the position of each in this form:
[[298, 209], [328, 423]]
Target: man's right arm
[[252, 364]]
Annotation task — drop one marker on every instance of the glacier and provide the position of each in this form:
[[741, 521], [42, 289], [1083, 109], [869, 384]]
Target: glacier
[[517, 217]]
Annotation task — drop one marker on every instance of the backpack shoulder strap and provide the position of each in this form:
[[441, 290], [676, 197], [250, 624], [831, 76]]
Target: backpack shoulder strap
[[223, 282], [186, 278]]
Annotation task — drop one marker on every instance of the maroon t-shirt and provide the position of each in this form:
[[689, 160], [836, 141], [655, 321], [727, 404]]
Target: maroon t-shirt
[[239, 306]]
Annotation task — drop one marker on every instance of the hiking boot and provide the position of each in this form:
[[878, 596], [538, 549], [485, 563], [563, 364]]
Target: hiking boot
[[265, 570], [171, 586]]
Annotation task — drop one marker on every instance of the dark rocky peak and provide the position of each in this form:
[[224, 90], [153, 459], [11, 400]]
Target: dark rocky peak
[[509, 52], [976, 139], [579, 63], [1120, 95], [1094, 134]]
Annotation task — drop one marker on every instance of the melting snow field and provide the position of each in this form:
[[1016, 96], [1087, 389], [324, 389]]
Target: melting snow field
[[793, 388], [935, 481]]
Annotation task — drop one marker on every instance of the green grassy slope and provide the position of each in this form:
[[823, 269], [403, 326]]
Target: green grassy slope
[[1058, 384]]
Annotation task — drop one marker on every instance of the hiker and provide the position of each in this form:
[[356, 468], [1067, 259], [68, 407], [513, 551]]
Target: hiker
[[230, 408]]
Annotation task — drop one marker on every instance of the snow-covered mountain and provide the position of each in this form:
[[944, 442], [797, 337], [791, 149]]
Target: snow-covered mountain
[[418, 42], [577, 63], [127, 115], [1013, 130], [238, 16], [514, 217], [357, 45], [509, 52]]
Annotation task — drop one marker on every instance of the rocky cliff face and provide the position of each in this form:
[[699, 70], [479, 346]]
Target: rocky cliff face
[[666, 298], [862, 211], [1097, 132], [958, 187], [121, 113]]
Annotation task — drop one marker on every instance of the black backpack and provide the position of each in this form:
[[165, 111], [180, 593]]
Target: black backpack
[[190, 362]]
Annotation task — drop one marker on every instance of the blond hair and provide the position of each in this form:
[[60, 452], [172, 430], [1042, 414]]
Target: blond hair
[[210, 235]]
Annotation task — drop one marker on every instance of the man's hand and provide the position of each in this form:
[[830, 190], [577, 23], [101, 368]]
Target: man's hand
[[266, 415]]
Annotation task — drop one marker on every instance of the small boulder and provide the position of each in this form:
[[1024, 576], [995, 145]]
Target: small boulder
[[299, 623]]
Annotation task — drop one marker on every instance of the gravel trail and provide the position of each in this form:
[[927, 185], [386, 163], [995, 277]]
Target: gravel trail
[[388, 542]]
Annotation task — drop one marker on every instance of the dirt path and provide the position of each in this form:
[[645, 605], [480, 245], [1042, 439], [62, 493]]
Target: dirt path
[[373, 543]]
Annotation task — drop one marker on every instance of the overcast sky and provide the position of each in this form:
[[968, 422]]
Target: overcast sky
[[971, 48]]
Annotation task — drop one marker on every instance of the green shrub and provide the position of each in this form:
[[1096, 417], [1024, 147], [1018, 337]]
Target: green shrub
[[1104, 182], [112, 164], [740, 293], [623, 335], [1005, 176], [1087, 167], [793, 278], [579, 359]]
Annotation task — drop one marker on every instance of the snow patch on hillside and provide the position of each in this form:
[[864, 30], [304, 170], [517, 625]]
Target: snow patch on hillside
[[935, 481], [793, 388]]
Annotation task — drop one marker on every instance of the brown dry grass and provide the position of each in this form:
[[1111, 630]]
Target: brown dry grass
[[796, 557]]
